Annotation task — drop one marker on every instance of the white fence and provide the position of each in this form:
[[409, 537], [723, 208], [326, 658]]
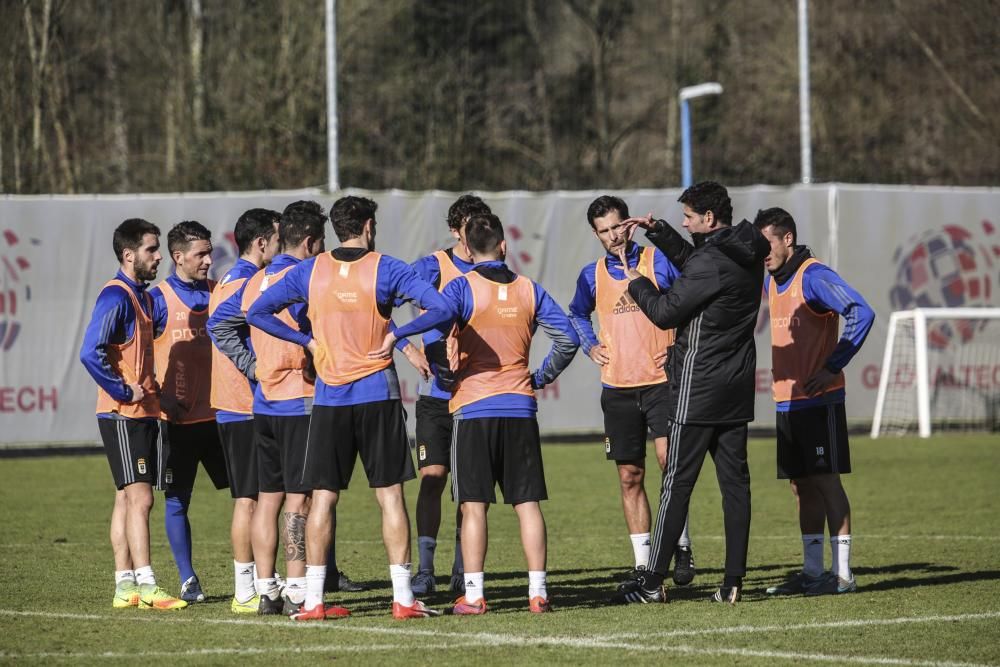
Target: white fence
[[899, 246]]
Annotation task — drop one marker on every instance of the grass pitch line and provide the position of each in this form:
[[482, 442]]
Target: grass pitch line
[[206, 652], [816, 625], [505, 639]]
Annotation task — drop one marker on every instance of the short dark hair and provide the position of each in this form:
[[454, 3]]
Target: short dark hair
[[183, 233], [300, 220], [603, 205], [349, 215], [464, 208], [128, 235], [778, 218], [709, 196], [254, 224], [483, 233]]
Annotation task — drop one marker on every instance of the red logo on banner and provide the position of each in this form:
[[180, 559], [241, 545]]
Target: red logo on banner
[[948, 268], [15, 291]]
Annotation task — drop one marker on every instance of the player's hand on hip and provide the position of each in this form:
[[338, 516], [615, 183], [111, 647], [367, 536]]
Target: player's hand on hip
[[599, 354], [138, 393], [384, 352], [660, 359], [819, 381], [418, 360]]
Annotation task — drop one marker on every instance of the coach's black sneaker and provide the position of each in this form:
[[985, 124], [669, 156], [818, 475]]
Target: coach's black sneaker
[[269, 607], [683, 566], [631, 578], [635, 591], [730, 594]]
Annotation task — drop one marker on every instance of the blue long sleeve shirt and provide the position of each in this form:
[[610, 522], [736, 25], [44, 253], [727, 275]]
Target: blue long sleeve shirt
[[548, 315], [585, 300], [429, 269], [233, 337], [111, 323], [825, 292], [396, 281]]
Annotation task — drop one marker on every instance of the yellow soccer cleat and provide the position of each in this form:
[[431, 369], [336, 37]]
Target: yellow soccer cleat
[[248, 607], [152, 596], [126, 595]]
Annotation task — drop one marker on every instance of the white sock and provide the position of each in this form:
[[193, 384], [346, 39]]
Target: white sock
[[685, 538], [315, 576], [144, 576], [536, 584], [425, 547], [840, 549], [473, 586], [812, 554], [640, 548], [295, 589], [124, 575], [244, 586], [267, 588], [401, 591]]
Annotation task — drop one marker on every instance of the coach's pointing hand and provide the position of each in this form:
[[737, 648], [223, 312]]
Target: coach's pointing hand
[[630, 272], [630, 224], [385, 351]]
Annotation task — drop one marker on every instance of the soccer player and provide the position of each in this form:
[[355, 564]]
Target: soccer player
[[806, 300], [631, 352], [117, 351], [496, 432], [281, 409], [232, 397], [713, 305], [357, 410], [182, 353], [434, 422]]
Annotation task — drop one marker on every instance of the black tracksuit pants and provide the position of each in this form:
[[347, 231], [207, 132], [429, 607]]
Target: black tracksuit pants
[[686, 452]]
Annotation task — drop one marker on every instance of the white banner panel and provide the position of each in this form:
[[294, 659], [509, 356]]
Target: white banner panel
[[55, 255]]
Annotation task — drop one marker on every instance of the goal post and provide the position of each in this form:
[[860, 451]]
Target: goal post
[[940, 370]]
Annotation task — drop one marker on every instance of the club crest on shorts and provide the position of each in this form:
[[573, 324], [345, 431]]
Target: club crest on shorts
[[607, 445], [422, 452], [140, 465]]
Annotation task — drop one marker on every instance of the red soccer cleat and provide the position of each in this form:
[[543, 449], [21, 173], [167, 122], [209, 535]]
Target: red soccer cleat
[[465, 608], [539, 605], [416, 610], [320, 613]]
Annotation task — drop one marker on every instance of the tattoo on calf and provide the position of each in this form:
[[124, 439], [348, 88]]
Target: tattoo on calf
[[295, 536]]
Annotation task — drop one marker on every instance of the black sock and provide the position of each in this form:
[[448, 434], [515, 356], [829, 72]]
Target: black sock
[[731, 581], [653, 580]]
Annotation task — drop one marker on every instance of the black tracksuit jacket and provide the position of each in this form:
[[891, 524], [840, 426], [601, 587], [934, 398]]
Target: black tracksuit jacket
[[713, 305]]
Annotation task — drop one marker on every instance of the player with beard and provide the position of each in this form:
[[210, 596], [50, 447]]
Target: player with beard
[[117, 351], [631, 352]]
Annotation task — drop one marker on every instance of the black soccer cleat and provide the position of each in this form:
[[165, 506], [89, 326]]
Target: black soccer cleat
[[269, 607], [730, 594], [684, 566], [634, 591], [631, 578], [338, 582]]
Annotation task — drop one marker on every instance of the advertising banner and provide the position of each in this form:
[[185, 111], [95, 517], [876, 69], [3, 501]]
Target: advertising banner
[[899, 247]]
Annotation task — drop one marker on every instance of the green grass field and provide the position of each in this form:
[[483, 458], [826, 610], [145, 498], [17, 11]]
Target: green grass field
[[926, 554]]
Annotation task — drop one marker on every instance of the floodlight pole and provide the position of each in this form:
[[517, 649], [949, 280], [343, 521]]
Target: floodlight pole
[[689, 93], [333, 170], [804, 121]]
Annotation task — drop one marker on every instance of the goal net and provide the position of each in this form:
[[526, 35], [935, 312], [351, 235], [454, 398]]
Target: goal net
[[941, 371]]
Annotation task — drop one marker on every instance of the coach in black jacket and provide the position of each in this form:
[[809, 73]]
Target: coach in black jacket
[[713, 305]]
